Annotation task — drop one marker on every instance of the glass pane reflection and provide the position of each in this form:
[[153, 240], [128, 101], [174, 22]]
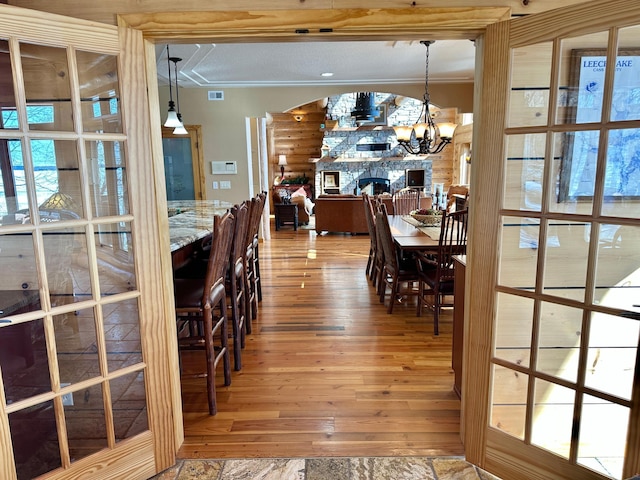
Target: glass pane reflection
[[514, 320], [122, 334], [35, 440], [613, 349], [14, 203], [566, 258], [618, 268], [518, 263], [509, 402], [559, 341], [18, 291], [581, 78], [524, 169], [129, 405], [9, 118], [57, 179], [66, 260], [76, 346], [622, 176], [530, 83], [552, 417], [109, 190], [23, 358], [47, 88], [86, 425], [99, 92], [115, 252], [603, 433]]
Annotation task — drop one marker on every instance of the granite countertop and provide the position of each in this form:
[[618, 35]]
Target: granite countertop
[[192, 220]]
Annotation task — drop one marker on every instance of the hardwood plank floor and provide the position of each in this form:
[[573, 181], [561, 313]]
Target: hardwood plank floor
[[327, 372]]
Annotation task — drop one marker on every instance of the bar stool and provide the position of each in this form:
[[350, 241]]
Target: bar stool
[[201, 308]]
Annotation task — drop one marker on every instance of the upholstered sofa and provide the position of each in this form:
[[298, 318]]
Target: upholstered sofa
[[340, 213]]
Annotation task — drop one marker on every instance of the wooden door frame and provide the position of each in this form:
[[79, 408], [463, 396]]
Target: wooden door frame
[[197, 157], [278, 25]]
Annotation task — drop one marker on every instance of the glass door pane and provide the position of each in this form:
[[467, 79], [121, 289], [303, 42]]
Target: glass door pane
[[70, 337], [568, 317]]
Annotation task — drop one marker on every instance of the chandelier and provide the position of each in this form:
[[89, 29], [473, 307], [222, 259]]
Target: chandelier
[[425, 137]]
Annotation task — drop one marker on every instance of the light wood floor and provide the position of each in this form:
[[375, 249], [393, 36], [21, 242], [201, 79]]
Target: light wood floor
[[326, 371]]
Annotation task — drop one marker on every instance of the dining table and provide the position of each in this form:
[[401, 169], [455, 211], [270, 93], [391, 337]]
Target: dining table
[[191, 223], [411, 235]]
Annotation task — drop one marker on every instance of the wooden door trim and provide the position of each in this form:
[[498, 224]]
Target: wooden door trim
[[344, 24], [482, 250], [197, 157]]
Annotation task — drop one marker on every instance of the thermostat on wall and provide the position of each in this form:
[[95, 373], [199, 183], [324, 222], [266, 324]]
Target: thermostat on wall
[[224, 168]]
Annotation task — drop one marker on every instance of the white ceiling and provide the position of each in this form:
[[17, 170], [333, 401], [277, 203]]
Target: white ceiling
[[302, 63]]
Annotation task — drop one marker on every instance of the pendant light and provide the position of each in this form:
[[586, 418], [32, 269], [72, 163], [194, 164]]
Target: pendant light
[[172, 117], [365, 110], [179, 130], [425, 137]]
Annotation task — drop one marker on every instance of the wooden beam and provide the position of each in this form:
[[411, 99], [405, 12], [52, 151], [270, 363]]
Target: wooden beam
[[107, 11]]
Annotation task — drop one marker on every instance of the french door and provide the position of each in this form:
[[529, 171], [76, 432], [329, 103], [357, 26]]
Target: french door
[[84, 376], [552, 380]]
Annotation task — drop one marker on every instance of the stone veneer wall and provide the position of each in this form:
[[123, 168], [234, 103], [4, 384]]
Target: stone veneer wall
[[340, 141], [351, 172]]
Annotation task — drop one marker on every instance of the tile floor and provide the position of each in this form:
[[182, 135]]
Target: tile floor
[[374, 468]]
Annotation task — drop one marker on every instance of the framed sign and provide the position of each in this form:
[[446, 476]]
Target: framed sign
[[381, 119], [584, 105]]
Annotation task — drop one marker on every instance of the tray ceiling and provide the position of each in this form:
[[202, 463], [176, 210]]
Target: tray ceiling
[[303, 63]]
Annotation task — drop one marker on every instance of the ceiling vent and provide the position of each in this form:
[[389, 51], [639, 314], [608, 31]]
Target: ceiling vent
[[215, 95]]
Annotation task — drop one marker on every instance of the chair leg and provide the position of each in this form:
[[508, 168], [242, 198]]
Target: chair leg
[[436, 313], [394, 292], [237, 312], [256, 261]]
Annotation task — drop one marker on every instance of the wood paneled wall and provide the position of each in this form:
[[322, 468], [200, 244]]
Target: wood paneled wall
[[298, 140]]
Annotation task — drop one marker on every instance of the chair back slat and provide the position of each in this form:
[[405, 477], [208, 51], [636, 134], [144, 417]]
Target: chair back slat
[[453, 241], [405, 201], [238, 247], [220, 250], [386, 241], [370, 216]]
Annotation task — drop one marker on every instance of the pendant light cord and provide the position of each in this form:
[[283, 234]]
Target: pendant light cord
[[169, 69]]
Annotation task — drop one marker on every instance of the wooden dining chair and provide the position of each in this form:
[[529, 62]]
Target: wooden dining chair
[[201, 309], [396, 269], [436, 272], [405, 201], [237, 281], [369, 214], [456, 190]]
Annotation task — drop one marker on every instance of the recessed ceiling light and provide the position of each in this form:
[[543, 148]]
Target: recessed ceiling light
[[327, 74]]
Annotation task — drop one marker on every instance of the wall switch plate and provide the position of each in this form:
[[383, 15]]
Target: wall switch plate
[[225, 184], [215, 185]]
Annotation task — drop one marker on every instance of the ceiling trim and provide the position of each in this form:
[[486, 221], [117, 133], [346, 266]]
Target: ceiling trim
[[322, 25]]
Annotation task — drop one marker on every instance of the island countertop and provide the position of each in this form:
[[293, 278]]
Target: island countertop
[[192, 220]]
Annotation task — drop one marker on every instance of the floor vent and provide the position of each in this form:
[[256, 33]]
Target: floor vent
[[215, 95]]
